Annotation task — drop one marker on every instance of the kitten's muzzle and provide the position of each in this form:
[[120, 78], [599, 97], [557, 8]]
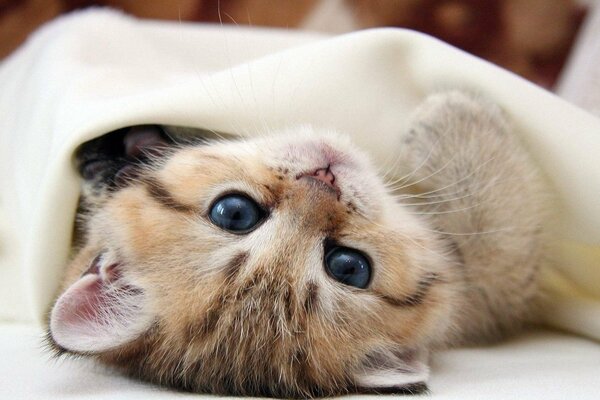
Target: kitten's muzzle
[[324, 178]]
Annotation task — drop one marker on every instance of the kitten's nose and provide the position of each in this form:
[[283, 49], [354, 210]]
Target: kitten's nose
[[324, 176]]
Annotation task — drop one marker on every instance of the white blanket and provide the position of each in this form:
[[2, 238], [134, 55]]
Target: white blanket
[[539, 365], [93, 72]]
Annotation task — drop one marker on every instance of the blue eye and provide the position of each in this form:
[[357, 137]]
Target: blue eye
[[348, 266], [236, 213]]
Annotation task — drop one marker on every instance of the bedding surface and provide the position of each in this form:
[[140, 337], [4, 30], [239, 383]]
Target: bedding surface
[[539, 365], [96, 71]]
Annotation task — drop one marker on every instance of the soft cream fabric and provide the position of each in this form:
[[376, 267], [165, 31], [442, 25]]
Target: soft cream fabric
[[539, 365], [93, 72]]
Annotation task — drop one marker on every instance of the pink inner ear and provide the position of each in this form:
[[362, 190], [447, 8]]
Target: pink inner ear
[[140, 139], [95, 315]]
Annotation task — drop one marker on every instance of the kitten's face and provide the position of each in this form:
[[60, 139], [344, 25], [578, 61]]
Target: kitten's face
[[174, 295]]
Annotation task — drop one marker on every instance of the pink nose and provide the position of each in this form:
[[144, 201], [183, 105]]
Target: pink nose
[[325, 175]]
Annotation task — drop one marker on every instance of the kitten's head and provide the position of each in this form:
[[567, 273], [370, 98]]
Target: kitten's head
[[275, 266]]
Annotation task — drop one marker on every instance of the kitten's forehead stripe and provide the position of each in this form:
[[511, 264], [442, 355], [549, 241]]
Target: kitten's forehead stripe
[[204, 327], [234, 265], [417, 297], [312, 298], [160, 194], [274, 194]]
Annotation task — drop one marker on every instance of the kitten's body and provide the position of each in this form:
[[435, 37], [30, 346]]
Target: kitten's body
[[178, 301]]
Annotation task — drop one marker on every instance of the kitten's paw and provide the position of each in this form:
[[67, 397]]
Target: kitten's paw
[[449, 133]]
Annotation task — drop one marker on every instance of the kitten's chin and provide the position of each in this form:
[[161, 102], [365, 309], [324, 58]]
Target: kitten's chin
[[99, 312]]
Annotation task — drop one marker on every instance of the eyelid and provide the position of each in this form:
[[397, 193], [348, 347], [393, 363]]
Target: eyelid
[[330, 243], [329, 267], [264, 210], [232, 187]]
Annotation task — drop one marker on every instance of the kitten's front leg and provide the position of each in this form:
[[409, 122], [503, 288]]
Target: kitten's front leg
[[477, 186]]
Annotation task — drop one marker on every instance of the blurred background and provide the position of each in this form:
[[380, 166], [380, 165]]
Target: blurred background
[[533, 38]]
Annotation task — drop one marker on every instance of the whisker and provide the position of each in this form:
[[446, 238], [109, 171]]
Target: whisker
[[444, 257], [488, 232], [428, 203], [446, 211], [454, 183], [445, 197], [405, 184], [414, 171]]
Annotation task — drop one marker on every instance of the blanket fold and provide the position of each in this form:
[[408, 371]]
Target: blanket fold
[[95, 71]]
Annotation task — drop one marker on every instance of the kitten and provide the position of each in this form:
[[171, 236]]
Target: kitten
[[284, 266]]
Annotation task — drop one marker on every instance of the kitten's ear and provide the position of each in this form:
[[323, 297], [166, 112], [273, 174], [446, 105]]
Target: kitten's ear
[[392, 371], [99, 312]]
